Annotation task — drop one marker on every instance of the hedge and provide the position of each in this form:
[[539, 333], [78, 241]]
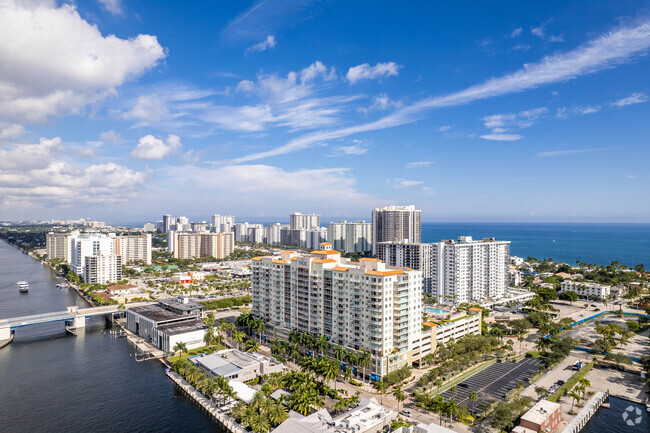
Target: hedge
[[571, 382]]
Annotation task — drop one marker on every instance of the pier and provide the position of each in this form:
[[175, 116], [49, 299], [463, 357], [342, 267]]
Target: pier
[[226, 420], [73, 317], [586, 413]]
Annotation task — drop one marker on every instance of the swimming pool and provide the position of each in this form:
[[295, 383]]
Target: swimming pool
[[435, 310]]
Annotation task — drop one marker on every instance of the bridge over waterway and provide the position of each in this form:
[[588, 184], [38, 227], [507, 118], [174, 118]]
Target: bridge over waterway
[[73, 317]]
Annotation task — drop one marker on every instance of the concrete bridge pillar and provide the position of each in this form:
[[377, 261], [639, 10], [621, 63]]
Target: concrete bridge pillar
[[79, 322], [5, 333]]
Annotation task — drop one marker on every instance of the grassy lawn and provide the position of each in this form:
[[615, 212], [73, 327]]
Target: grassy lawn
[[198, 350]]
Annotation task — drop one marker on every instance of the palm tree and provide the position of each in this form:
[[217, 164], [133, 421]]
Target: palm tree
[[381, 386], [209, 319], [321, 344], [575, 395], [399, 395], [473, 396], [278, 414], [238, 337], [251, 345], [452, 410], [365, 361], [329, 370], [180, 347], [260, 423], [352, 358], [438, 405], [208, 338], [276, 347], [339, 353]]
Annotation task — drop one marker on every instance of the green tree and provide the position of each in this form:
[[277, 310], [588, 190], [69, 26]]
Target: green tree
[[180, 347], [238, 337], [438, 405], [399, 395], [473, 396], [575, 396], [251, 345], [381, 387], [259, 423], [541, 391]]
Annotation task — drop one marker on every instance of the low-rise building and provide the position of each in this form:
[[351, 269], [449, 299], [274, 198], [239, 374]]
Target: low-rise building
[[167, 323], [123, 294], [543, 417], [586, 290], [232, 364], [455, 327], [188, 277]]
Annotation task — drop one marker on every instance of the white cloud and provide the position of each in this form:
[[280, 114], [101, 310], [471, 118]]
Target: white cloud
[[245, 86], [358, 148], [634, 98], [502, 137], [367, 72], [10, 130], [111, 137], [516, 32], [267, 43], [113, 6], [404, 183], [419, 164], [444, 128], [38, 40], [555, 153], [380, 103], [607, 51], [150, 147], [148, 109], [46, 179], [589, 109], [427, 190]]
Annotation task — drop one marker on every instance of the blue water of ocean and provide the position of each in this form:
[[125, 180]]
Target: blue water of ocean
[[629, 244]]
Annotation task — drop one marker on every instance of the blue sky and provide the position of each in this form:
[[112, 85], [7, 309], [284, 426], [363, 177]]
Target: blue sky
[[511, 111]]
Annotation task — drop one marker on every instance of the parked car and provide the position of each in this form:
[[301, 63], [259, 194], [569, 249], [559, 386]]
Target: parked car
[[406, 413], [464, 385]]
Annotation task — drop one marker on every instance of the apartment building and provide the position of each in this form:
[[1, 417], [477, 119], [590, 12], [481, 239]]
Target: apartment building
[[298, 221], [167, 223], [59, 246], [85, 245], [245, 232], [454, 327], [586, 290], [134, 248], [273, 233], [363, 305], [191, 245], [223, 223], [102, 269], [303, 238], [350, 237], [396, 224], [422, 257]]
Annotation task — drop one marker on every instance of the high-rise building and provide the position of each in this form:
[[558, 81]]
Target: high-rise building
[[134, 248], [58, 246], [223, 223], [350, 237], [182, 224], [303, 238], [363, 305], [102, 269], [299, 221], [167, 222], [272, 233], [192, 245], [417, 256], [455, 271], [149, 227], [395, 224], [85, 245]]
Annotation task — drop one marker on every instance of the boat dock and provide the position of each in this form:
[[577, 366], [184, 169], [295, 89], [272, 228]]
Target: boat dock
[[587, 412], [226, 420]]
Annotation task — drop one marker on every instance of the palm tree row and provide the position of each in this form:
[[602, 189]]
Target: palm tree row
[[262, 414], [216, 388]]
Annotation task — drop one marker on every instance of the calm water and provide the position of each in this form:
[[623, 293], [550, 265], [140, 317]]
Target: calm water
[[622, 417], [629, 244], [54, 382]]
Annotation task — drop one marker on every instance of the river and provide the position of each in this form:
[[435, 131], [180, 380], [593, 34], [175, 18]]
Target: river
[[55, 382]]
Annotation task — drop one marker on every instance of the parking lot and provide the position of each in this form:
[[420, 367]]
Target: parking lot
[[494, 382]]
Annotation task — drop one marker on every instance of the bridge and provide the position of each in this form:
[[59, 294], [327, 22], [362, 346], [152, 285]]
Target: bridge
[[72, 316]]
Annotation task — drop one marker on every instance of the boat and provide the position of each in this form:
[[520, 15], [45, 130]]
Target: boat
[[23, 287]]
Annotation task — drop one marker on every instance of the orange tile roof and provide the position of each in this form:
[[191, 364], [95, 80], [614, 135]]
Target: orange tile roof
[[282, 262], [324, 243], [294, 258], [324, 261], [117, 287], [369, 259], [289, 252], [385, 273], [475, 309], [325, 252], [340, 268], [429, 324], [257, 259]]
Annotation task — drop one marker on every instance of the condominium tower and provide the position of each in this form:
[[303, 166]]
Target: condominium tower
[[191, 245], [395, 224], [299, 221], [363, 305], [350, 237], [134, 248], [223, 223]]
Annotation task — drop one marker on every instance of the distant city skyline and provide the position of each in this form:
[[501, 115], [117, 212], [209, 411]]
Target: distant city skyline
[[507, 112]]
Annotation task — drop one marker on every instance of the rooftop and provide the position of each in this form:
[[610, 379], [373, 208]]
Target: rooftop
[[182, 327], [119, 287], [155, 313], [541, 411], [181, 304]]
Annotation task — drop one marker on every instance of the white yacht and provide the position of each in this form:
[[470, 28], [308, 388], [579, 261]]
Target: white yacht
[[23, 286]]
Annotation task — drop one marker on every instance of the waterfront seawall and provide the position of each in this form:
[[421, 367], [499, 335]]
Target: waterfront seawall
[[227, 421], [586, 413]]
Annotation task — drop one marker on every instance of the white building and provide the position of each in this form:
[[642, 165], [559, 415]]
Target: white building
[[396, 224], [223, 223], [273, 233], [586, 290], [299, 221], [192, 245], [456, 326], [516, 261], [85, 245], [514, 276], [102, 269], [58, 246], [350, 237], [149, 227], [303, 238], [417, 256], [134, 248], [245, 232], [359, 305], [232, 364], [167, 222]]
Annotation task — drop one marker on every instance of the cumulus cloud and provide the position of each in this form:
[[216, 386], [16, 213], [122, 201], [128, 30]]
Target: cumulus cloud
[[113, 6], [148, 109], [267, 43], [367, 72], [634, 98], [150, 147], [46, 179], [53, 62], [111, 137], [10, 130], [380, 103], [516, 32]]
